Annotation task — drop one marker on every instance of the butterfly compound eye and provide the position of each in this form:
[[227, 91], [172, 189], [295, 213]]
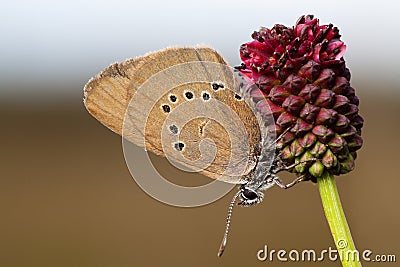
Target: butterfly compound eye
[[249, 194]]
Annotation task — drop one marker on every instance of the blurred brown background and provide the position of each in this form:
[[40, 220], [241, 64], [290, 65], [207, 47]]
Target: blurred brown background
[[67, 198]]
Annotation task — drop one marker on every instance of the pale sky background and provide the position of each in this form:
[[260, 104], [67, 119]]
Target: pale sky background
[[53, 47]]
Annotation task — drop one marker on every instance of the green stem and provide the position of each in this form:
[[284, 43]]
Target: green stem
[[337, 220]]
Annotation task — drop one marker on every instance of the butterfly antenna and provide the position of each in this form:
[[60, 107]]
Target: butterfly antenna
[[228, 222]]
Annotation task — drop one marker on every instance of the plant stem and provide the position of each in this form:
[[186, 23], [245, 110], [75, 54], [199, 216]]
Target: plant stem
[[337, 220]]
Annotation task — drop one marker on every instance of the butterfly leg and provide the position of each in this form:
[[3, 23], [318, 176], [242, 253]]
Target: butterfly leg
[[280, 183], [278, 138], [286, 168]]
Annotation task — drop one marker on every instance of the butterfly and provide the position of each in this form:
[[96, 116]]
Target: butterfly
[[170, 101]]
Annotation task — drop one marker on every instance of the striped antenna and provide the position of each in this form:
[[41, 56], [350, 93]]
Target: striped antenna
[[228, 222]]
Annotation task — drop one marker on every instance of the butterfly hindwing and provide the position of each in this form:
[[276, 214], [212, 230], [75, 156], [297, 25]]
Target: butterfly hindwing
[[109, 94]]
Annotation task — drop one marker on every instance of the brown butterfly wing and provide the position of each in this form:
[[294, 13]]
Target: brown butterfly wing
[[107, 97], [106, 94]]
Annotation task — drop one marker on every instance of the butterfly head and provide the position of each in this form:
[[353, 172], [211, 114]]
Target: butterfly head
[[249, 196]]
